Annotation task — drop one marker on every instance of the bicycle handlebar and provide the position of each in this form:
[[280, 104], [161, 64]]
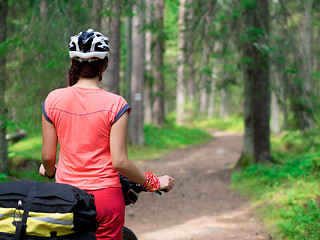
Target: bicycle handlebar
[[131, 190]]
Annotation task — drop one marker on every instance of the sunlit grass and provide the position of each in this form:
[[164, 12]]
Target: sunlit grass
[[145, 153], [232, 123], [161, 140], [29, 148]]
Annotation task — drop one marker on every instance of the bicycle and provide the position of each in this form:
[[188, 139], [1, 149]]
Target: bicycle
[[128, 234], [131, 191]]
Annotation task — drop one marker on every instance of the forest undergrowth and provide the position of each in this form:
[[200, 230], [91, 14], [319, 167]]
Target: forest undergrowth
[[286, 193]]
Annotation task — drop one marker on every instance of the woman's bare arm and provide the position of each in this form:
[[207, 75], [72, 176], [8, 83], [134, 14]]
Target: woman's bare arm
[[118, 150], [120, 160], [49, 148]]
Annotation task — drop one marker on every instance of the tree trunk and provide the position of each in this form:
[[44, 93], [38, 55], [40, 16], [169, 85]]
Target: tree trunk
[[305, 47], [181, 62], [275, 107], [284, 97], [213, 91], [275, 114], [96, 9], [257, 83], [247, 153], [190, 46], [129, 54], [138, 55], [205, 62], [147, 102], [43, 9], [223, 104], [203, 89], [42, 41], [111, 77], [258, 18], [149, 76], [3, 109], [191, 73], [158, 81]]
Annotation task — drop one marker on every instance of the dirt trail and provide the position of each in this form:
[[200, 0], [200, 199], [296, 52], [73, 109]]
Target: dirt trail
[[201, 206]]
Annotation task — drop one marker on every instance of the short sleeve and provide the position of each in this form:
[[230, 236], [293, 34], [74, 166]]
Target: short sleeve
[[45, 108], [121, 107]]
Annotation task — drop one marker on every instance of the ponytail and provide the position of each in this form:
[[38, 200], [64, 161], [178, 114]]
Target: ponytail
[[74, 72], [87, 70]]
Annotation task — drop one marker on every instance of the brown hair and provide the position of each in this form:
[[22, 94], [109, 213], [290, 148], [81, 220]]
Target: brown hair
[[86, 70]]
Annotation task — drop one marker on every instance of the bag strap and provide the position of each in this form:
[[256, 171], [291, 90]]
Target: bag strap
[[22, 225]]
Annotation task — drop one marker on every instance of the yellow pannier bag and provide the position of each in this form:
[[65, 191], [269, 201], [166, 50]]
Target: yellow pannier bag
[[38, 224], [38, 210]]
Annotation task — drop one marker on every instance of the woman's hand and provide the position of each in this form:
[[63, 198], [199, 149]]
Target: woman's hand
[[42, 171], [166, 183]]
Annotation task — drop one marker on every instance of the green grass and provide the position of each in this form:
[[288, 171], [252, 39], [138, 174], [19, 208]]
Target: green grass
[[29, 148], [161, 140], [233, 123], [287, 194]]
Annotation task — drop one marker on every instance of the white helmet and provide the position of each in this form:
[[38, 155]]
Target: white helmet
[[88, 46]]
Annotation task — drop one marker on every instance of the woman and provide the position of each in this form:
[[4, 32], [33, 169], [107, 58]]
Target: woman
[[91, 127]]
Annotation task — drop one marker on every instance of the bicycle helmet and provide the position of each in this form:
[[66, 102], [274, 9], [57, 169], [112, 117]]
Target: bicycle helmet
[[88, 46]]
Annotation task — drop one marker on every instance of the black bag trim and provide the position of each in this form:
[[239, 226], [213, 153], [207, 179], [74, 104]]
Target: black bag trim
[[22, 225]]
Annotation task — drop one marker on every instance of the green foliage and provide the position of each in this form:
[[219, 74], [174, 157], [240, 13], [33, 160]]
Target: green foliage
[[8, 45], [252, 34], [294, 142], [287, 193], [36, 54], [248, 3], [170, 24], [304, 221], [3, 178]]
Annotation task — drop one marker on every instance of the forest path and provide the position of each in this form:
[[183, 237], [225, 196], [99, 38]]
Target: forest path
[[201, 205]]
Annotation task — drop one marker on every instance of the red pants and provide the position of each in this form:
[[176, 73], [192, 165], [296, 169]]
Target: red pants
[[110, 207]]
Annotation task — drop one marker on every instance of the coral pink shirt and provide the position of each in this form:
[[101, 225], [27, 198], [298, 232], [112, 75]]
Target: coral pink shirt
[[83, 118]]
